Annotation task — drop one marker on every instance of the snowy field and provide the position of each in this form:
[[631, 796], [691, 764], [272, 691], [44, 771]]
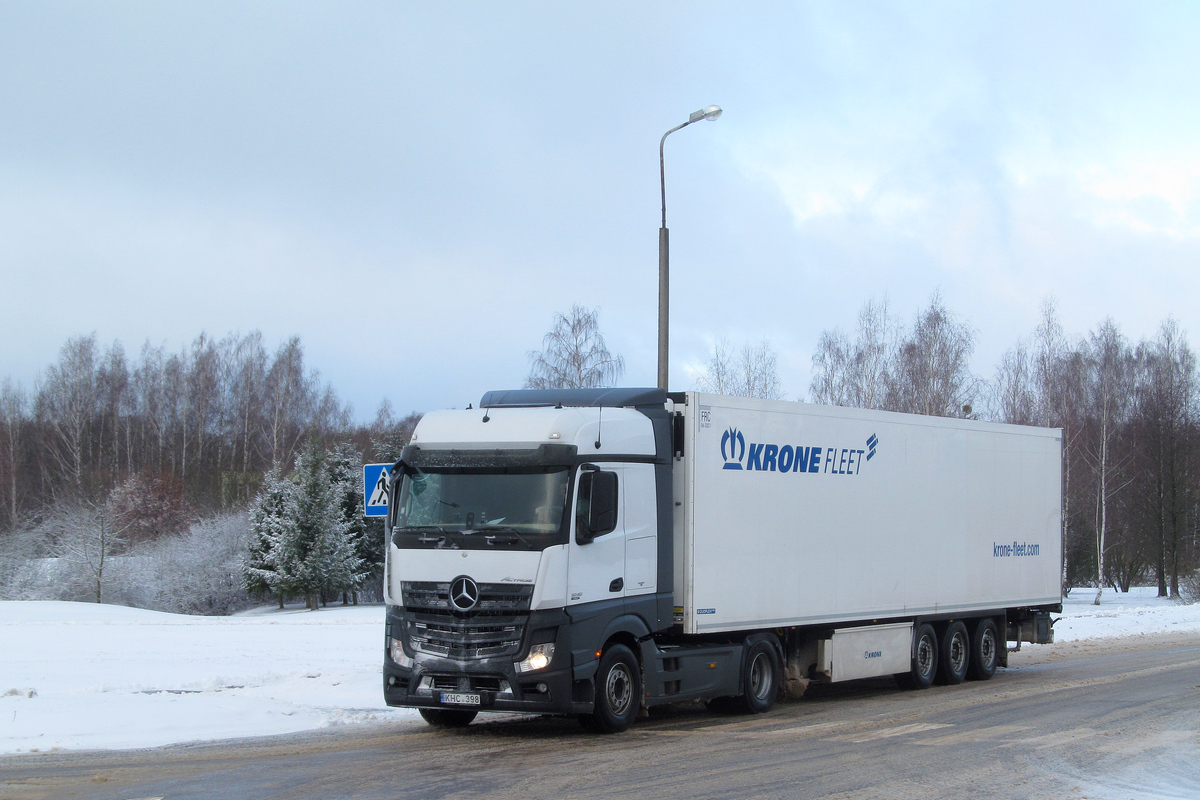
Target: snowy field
[[1140, 612], [78, 675]]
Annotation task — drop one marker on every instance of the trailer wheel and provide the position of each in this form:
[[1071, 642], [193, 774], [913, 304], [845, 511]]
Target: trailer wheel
[[760, 678], [924, 659], [955, 655], [446, 718], [985, 655], [618, 691]]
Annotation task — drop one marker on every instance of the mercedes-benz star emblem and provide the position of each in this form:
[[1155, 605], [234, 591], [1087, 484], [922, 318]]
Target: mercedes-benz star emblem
[[464, 593]]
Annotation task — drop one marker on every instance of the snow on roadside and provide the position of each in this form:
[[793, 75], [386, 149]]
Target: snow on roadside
[[79, 675], [1139, 612]]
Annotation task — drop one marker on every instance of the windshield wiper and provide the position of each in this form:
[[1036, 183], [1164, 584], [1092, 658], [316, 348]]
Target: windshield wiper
[[503, 534], [425, 529]]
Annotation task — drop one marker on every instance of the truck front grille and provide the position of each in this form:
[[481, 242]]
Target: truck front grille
[[493, 628]]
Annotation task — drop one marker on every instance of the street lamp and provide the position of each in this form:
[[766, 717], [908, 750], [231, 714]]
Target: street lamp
[[710, 113]]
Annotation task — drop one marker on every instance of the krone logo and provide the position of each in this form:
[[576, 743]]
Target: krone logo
[[464, 593], [736, 448]]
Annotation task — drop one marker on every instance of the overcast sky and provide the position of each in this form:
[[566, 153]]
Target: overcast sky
[[416, 189]]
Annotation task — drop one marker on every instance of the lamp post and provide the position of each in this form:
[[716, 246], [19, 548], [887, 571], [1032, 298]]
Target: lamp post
[[664, 289]]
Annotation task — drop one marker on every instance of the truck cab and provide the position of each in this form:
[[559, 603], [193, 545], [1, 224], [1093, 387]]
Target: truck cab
[[523, 536]]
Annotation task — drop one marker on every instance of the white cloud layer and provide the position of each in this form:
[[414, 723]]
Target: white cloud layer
[[416, 192]]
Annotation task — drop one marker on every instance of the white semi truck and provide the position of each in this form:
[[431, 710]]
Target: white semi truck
[[595, 552]]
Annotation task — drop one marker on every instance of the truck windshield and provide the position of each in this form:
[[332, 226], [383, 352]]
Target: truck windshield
[[508, 509]]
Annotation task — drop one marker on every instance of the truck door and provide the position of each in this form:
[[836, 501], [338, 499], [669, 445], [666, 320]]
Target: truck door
[[596, 569], [639, 509]]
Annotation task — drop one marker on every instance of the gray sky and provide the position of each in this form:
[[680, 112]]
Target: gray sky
[[416, 189]]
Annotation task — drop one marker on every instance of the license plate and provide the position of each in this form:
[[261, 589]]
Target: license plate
[[460, 699]]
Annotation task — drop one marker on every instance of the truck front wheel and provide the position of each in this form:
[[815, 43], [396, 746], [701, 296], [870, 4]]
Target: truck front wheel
[[443, 718], [618, 691]]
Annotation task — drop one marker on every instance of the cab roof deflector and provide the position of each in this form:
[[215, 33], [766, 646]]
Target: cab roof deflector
[[574, 398]]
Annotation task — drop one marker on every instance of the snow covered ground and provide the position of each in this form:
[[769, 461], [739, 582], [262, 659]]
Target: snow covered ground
[[1140, 612], [78, 675]]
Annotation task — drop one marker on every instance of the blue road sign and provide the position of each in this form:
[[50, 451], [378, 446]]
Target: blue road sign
[[375, 489]]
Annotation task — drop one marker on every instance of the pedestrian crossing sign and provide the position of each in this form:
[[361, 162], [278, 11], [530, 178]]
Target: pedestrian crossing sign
[[375, 489]]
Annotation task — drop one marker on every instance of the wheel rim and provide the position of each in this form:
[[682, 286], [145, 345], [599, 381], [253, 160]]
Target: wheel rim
[[618, 689], [760, 677], [925, 656], [958, 653], [987, 649]]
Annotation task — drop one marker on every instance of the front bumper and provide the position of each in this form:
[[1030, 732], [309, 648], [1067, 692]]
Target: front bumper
[[495, 681]]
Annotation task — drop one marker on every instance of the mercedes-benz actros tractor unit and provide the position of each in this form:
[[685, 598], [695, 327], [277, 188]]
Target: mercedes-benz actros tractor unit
[[595, 552]]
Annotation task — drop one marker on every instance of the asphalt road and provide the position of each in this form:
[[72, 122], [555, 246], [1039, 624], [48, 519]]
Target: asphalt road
[[1086, 720]]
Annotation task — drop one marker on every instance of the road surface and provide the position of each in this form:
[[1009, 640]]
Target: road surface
[[1115, 719]]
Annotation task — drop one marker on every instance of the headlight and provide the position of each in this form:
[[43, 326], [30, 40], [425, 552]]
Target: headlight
[[538, 658], [399, 656]]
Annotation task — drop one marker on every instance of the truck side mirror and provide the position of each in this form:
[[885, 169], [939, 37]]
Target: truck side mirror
[[597, 513]]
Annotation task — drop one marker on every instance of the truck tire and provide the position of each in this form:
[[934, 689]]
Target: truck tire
[[447, 718], [954, 658], [761, 677], [924, 659], [985, 653], [618, 691]]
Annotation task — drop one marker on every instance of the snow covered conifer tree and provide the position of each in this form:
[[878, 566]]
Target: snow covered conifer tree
[[366, 535], [260, 571], [318, 552], [301, 541]]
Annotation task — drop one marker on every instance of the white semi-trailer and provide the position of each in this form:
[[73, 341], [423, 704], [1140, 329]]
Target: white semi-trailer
[[594, 552]]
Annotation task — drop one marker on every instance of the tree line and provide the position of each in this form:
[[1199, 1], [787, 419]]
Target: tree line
[[1130, 416], [202, 425], [111, 468], [227, 448]]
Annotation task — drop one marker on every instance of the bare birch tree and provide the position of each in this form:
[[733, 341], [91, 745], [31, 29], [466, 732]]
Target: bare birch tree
[[931, 374], [67, 403], [87, 535], [12, 417], [1164, 425], [750, 372], [1013, 393], [112, 385], [1108, 360], [574, 355], [1059, 376], [857, 374]]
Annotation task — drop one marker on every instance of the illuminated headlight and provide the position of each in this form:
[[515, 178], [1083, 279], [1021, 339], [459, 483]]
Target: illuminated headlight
[[538, 658], [399, 656]]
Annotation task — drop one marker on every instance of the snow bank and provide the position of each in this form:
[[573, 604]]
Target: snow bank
[[1139, 612], [79, 675]]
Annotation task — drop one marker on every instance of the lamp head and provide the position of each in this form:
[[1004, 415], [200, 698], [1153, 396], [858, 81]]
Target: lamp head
[[710, 113]]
